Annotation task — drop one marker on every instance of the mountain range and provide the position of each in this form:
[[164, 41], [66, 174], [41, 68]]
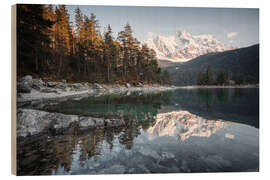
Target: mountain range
[[242, 61], [183, 46]]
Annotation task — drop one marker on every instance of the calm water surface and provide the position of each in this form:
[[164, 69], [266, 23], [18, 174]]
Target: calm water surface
[[187, 130]]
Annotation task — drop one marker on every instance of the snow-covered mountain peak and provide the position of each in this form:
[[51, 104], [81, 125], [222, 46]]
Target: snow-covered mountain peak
[[184, 46], [183, 34]]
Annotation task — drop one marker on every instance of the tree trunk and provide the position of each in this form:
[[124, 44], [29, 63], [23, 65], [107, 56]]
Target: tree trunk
[[108, 73], [36, 61], [84, 68], [60, 66]]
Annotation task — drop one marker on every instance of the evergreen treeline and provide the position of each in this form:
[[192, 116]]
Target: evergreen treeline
[[50, 46], [219, 78]]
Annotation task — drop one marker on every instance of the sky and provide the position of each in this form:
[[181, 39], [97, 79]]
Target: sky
[[232, 26]]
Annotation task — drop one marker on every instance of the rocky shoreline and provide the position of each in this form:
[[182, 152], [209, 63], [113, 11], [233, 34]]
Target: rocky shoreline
[[33, 92]]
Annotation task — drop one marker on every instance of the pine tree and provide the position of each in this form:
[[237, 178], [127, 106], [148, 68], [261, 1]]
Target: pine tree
[[78, 23], [221, 79], [63, 38], [209, 77], [200, 78], [166, 77], [92, 44], [32, 39], [108, 50]]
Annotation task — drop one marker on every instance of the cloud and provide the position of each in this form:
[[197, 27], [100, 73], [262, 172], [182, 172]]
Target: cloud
[[232, 34]]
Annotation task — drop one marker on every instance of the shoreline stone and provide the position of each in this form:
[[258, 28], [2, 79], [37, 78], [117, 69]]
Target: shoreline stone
[[51, 84], [24, 84], [32, 122]]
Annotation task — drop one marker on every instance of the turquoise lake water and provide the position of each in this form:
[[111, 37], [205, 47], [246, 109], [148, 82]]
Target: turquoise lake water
[[186, 130]]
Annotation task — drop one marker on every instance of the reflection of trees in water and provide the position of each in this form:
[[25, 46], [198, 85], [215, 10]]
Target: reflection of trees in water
[[140, 118], [231, 104], [211, 97], [90, 145], [205, 97], [45, 155], [208, 97], [222, 96], [238, 94]]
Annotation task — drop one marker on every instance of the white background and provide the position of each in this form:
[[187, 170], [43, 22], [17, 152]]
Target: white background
[[5, 85]]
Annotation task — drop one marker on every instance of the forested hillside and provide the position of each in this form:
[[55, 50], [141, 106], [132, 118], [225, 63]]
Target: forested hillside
[[240, 66], [52, 47]]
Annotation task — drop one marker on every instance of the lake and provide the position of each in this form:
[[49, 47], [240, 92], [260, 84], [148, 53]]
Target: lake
[[186, 130]]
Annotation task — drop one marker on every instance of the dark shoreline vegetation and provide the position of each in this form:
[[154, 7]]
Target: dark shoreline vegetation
[[51, 47]]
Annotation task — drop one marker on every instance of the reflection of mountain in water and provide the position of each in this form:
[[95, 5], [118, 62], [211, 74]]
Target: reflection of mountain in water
[[183, 124]]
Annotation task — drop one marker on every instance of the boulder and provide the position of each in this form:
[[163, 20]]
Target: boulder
[[85, 123], [51, 84], [90, 122], [128, 85], [88, 84], [117, 86], [99, 121], [140, 84], [61, 85], [32, 122], [114, 122], [93, 122], [38, 84], [97, 86], [77, 86], [24, 85], [62, 121], [85, 87]]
